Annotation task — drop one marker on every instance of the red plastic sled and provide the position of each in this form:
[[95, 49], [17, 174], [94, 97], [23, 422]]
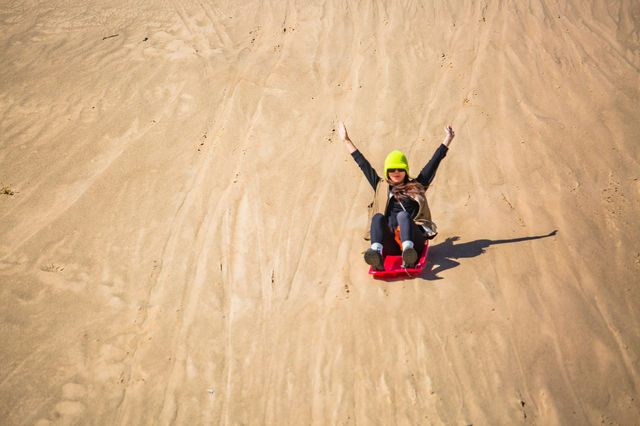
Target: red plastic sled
[[393, 266]]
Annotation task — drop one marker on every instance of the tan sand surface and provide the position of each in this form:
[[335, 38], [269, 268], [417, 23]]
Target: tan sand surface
[[181, 227]]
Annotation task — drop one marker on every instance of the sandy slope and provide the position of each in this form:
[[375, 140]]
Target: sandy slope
[[183, 244]]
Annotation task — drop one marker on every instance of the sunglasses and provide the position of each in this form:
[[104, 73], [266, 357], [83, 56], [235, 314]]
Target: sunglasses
[[395, 170]]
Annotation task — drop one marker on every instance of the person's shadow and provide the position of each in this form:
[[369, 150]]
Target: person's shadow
[[441, 256]]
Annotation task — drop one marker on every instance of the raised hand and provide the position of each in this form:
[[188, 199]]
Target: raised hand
[[450, 135], [342, 131]]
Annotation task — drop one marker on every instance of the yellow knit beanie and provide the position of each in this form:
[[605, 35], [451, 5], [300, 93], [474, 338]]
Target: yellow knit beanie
[[395, 160]]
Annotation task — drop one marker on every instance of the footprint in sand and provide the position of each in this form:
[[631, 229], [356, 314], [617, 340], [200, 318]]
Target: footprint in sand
[[63, 277], [12, 261], [70, 409], [191, 35], [73, 277]]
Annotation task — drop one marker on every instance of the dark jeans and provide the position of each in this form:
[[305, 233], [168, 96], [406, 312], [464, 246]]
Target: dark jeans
[[382, 233]]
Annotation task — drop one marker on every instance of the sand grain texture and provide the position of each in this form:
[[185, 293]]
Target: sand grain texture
[[183, 242]]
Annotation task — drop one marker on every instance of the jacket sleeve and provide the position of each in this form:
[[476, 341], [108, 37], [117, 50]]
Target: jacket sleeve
[[429, 171], [366, 168]]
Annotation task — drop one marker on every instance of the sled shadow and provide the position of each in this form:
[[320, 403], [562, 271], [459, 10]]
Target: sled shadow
[[441, 256]]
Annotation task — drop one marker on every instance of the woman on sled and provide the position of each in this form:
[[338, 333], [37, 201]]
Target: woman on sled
[[400, 216]]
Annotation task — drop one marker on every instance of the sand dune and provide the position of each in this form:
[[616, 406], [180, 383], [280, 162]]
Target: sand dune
[[181, 227]]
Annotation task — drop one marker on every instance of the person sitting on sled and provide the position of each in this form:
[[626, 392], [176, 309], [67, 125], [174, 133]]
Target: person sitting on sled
[[400, 216]]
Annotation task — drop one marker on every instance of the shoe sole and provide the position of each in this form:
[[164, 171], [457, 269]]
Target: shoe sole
[[373, 258], [409, 257]]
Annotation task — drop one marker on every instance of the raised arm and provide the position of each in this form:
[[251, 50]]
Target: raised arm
[[362, 162], [429, 171]]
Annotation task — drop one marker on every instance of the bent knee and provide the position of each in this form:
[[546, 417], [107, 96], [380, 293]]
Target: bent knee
[[377, 217], [403, 216]]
